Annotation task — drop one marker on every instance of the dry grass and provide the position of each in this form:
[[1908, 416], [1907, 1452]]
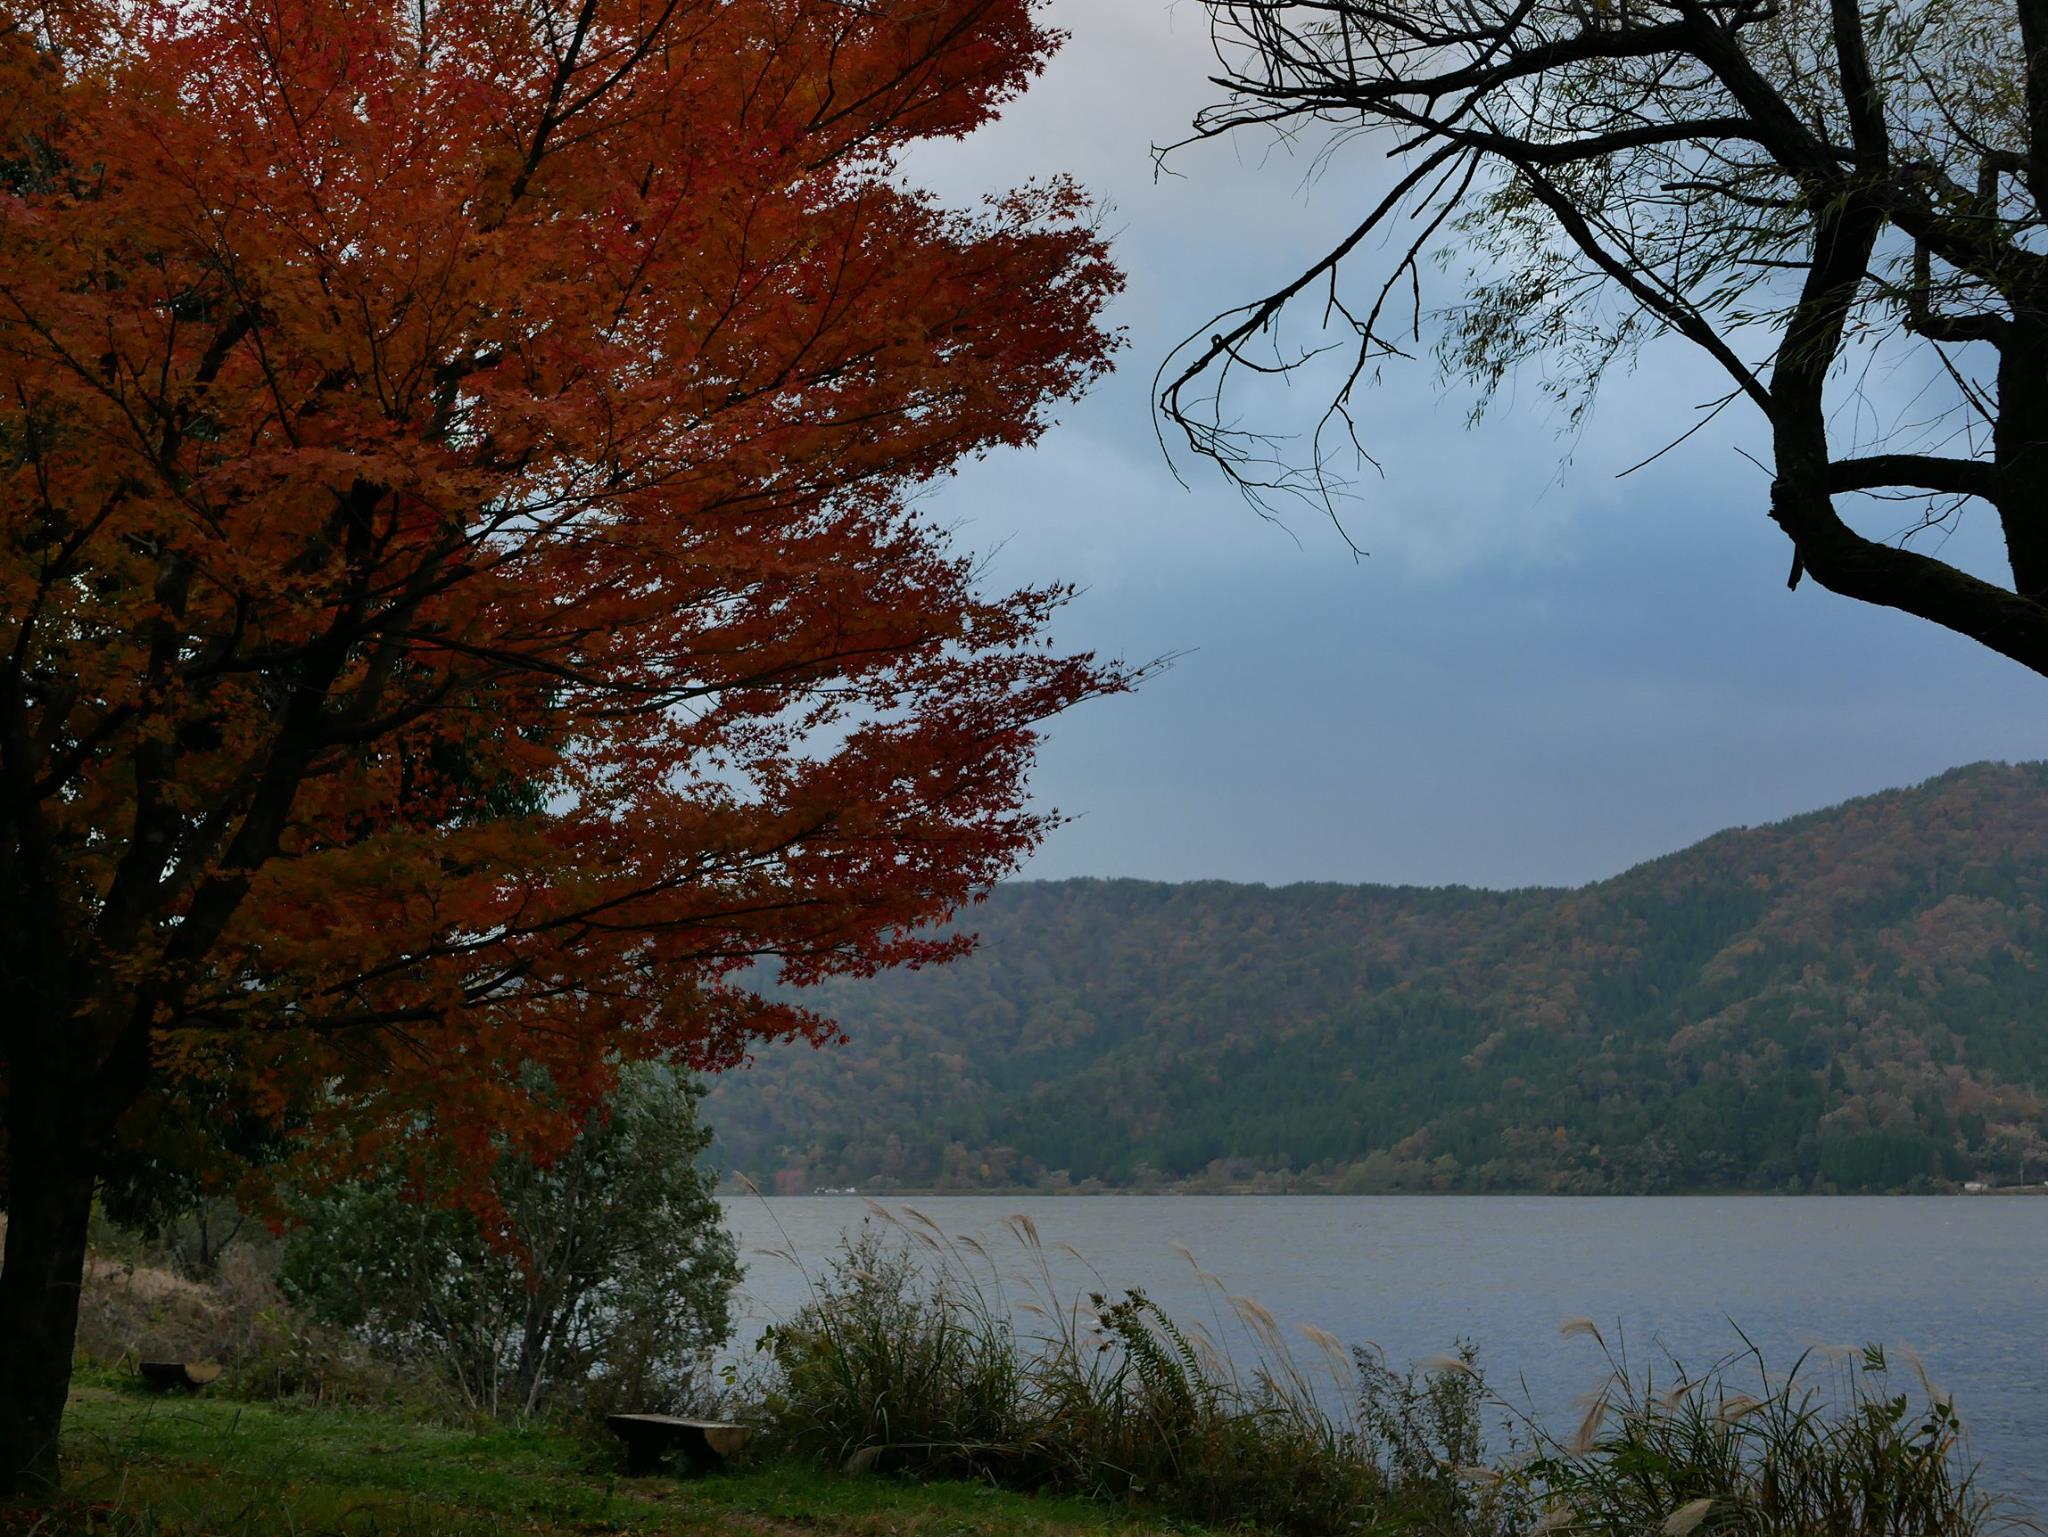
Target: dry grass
[[131, 1310]]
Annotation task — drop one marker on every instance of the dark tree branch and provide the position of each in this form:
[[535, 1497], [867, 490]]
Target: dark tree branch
[[1745, 177], [1927, 472]]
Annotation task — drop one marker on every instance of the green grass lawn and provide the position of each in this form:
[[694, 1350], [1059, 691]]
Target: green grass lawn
[[138, 1462]]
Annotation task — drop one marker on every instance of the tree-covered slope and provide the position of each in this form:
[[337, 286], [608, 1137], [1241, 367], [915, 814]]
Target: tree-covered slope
[[1853, 999]]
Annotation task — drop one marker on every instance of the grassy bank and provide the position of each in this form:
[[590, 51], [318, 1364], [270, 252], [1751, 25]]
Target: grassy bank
[[182, 1467], [146, 1465], [934, 1386]]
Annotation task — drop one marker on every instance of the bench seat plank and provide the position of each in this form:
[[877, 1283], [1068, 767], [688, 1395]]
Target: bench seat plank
[[704, 1444], [189, 1375]]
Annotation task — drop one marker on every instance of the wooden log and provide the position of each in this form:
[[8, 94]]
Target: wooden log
[[188, 1376], [702, 1444]]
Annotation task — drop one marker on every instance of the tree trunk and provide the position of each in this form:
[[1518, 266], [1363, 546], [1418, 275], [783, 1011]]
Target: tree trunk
[[49, 1202]]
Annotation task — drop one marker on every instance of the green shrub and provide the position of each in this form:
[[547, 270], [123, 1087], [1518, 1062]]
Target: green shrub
[[1187, 1432], [609, 1283], [897, 1365], [1428, 1431]]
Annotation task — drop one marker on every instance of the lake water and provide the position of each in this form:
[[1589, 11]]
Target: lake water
[[1961, 1281]]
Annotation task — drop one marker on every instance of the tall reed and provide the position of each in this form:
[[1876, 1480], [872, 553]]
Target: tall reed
[[1837, 1446], [911, 1356], [918, 1353]]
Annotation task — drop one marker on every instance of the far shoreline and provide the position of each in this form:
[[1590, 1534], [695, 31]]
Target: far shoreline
[[737, 1190]]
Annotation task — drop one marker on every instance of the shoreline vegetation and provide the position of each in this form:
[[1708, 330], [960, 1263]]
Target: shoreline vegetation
[[942, 1386], [736, 1187]]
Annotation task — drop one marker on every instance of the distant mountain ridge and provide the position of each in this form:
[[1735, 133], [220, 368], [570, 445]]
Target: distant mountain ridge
[[1853, 999]]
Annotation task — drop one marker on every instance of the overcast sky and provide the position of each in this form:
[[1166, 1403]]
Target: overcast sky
[[1540, 674]]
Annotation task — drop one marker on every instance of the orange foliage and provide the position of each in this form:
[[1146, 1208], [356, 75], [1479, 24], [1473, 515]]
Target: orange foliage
[[460, 594]]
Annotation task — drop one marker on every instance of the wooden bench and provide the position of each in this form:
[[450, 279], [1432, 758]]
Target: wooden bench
[[703, 1444], [187, 1376]]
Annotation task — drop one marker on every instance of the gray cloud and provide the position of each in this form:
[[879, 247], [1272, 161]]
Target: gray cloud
[[1541, 674]]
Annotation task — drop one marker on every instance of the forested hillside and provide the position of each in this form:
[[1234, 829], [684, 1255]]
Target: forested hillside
[[1852, 1000]]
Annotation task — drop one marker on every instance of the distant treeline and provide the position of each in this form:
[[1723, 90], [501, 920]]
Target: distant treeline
[[1852, 1000]]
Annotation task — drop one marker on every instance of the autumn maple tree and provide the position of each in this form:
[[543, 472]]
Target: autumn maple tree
[[462, 597]]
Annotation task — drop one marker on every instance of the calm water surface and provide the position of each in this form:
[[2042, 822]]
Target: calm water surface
[[1964, 1282]]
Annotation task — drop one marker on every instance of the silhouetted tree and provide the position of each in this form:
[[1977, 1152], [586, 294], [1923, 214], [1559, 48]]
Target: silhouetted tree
[[1800, 190]]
